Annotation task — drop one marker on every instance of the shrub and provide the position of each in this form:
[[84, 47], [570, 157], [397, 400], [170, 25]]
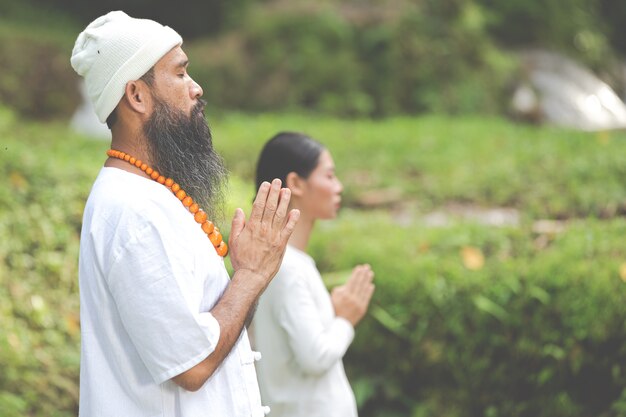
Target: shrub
[[536, 331], [357, 62], [190, 19], [47, 179], [283, 61], [36, 78]]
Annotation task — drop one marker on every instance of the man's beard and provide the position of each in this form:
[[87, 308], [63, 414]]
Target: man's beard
[[181, 148]]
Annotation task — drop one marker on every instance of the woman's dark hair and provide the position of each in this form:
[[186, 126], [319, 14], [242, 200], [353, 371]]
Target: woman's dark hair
[[287, 152]]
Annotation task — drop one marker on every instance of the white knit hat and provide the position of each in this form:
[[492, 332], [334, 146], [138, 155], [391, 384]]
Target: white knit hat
[[115, 49]]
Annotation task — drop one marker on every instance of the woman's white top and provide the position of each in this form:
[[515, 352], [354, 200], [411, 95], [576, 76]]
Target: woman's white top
[[302, 343]]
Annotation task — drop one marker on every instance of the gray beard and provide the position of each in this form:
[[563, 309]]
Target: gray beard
[[181, 148]]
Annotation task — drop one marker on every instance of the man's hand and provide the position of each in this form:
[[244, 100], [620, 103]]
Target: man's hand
[[352, 299], [256, 249], [258, 245]]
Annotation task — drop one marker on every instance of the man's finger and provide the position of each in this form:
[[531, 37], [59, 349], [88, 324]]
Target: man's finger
[[281, 211], [271, 203], [239, 222], [292, 219], [258, 206]]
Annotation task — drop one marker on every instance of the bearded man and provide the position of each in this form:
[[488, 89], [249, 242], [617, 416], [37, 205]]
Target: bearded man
[[162, 324]]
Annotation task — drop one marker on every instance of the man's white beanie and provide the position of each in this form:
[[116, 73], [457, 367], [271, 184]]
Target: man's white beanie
[[115, 49]]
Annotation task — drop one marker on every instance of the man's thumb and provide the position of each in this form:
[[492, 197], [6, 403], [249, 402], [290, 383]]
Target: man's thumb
[[239, 222]]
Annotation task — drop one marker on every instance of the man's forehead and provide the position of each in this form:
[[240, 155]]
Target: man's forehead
[[176, 57]]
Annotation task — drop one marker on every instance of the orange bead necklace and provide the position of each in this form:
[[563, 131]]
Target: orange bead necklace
[[199, 215]]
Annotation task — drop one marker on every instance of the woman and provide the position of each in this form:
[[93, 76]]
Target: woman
[[300, 329]]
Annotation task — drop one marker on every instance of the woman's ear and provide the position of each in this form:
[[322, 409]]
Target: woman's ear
[[295, 183]]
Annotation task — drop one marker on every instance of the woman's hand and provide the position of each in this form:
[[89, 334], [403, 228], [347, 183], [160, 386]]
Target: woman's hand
[[352, 299]]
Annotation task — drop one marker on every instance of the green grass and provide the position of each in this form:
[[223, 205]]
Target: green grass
[[545, 173]]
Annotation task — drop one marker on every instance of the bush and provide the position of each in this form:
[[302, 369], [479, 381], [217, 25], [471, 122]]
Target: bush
[[357, 62], [590, 31], [283, 61], [534, 331], [47, 178], [189, 18], [36, 78]]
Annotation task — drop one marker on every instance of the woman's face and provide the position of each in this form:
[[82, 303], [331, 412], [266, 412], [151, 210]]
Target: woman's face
[[321, 198]]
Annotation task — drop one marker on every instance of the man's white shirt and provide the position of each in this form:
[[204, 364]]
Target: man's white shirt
[[148, 278]]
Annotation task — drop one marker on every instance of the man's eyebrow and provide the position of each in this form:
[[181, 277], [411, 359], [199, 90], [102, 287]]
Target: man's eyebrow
[[182, 63]]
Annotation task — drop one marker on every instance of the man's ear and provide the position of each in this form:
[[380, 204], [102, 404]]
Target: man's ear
[[295, 183], [138, 96]]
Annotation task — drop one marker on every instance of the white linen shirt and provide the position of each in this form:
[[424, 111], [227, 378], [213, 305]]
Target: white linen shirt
[[148, 278], [302, 343]]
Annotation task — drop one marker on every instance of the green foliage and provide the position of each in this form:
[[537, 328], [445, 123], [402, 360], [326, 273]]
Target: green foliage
[[346, 59], [373, 62], [538, 330], [27, 18], [613, 15], [535, 329], [36, 78], [589, 30], [282, 62], [47, 174], [189, 18], [434, 161]]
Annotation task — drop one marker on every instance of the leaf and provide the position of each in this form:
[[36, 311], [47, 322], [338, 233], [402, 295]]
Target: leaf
[[364, 389], [488, 306], [554, 351], [388, 321], [545, 376], [473, 258], [539, 294]]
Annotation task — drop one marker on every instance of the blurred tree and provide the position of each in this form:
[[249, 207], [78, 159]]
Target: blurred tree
[[592, 30], [189, 18], [613, 14]]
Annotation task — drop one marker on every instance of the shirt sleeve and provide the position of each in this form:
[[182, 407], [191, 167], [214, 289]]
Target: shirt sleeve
[[316, 347], [169, 336]]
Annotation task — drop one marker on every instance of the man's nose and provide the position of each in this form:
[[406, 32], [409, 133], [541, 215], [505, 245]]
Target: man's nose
[[196, 90]]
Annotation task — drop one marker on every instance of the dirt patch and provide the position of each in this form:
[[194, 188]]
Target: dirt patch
[[491, 216]]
